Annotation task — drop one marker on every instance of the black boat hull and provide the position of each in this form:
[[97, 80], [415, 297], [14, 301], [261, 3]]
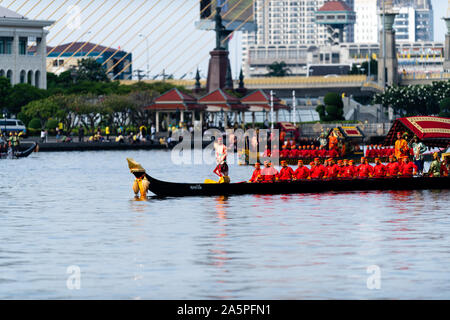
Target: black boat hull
[[170, 189], [22, 154]]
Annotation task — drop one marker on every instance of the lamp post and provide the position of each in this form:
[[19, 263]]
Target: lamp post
[[384, 46], [294, 107], [148, 61], [5, 113], [271, 110]]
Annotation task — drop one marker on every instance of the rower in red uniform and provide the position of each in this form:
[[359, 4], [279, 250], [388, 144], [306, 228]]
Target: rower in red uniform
[[333, 169], [318, 171], [286, 173], [365, 170], [284, 151], [333, 153], [408, 169], [293, 153], [392, 167], [308, 152], [301, 152], [350, 171], [256, 176], [325, 169], [302, 172], [340, 164], [269, 173], [369, 151], [379, 171], [322, 153]]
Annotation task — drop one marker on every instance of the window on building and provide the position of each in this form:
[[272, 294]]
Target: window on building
[[6, 45], [23, 41]]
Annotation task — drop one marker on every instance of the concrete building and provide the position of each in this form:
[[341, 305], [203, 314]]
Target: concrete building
[[414, 20], [417, 57], [288, 23], [17, 35], [66, 56]]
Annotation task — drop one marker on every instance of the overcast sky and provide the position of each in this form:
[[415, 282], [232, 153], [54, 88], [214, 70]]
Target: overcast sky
[[174, 44]]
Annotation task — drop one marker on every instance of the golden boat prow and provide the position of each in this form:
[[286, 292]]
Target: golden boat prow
[[135, 166]]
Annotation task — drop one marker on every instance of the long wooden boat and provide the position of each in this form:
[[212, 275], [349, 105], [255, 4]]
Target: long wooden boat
[[170, 189]]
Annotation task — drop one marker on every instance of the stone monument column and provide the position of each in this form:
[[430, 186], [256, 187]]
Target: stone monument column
[[447, 46], [219, 63], [387, 62]]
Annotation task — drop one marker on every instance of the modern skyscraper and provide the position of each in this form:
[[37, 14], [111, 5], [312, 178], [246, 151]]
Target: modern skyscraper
[[288, 23]]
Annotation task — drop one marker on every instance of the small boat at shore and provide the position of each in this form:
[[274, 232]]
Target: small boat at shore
[[21, 153]]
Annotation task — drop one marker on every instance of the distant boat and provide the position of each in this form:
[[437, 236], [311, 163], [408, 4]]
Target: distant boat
[[21, 153]]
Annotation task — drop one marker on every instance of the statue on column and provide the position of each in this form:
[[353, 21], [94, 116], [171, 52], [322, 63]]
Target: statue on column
[[221, 32]]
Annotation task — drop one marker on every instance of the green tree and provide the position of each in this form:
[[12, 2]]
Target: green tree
[[415, 100], [278, 69], [91, 70], [5, 91], [42, 109], [364, 68], [118, 109], [333, 110], [22, 94], [445, 107]]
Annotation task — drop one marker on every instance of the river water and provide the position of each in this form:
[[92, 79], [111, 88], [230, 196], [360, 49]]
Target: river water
[[70, 228]]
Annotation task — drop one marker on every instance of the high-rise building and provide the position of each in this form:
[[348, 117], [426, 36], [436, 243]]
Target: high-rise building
[[366, 27], [414, 21], [288, 23]]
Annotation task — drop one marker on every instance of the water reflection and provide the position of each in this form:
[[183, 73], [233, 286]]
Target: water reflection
[[241, 247]]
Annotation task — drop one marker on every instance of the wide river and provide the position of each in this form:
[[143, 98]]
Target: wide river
[[70, 228]]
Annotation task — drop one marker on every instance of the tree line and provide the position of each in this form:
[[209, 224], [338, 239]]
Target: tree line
[[416, 100], [81, 97]]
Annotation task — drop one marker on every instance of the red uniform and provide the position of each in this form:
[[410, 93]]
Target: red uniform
[[444, 170], [408, 169], [364, 170], [286, 174], [342, 171], [302, 173], [333, 153], [349, 172], [333, 171], [392, 169], [317, 172], [256, 176], [293, 153], [322, 153], [379, 171], [269, 174], [301, 153], [284, 153]]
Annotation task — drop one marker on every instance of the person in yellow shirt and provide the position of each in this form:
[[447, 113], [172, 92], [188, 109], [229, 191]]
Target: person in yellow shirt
[[107, 132], [401, 146]]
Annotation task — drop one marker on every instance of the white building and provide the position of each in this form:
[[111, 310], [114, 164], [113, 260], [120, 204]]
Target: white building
[[287, 23], [283, 23], [17, 35], [366, 27]]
